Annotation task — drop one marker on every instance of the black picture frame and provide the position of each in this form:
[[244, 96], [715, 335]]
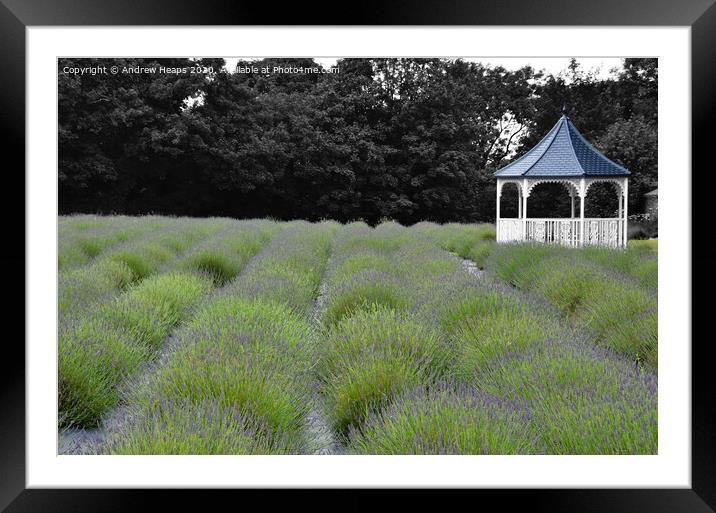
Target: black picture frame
[[17, 15]]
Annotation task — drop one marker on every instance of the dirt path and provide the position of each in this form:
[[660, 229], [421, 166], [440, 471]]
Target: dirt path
[[77, 441], [471, 268], [317, 424]]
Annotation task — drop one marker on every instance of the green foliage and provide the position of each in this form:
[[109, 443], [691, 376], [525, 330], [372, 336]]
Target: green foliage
[[185, 428], [619, 311], [638, 261], [139, 264], [219, 266], [94, 356], [235, 380], [242, 353], [480, 340], [372, 355], [362, 297], [480, 253], [445, 421], [96, 235], [290, 269], [83, 287], [652, 245], [403, 350], [582, 402], [108, 344], [464, 307], [366, 387]]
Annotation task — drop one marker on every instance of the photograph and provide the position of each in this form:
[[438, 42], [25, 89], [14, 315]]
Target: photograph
[[350, 255]]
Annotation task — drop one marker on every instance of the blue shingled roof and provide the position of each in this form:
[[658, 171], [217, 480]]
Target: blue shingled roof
[[563, 152]]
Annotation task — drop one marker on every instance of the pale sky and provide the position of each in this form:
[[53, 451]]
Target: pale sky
[[553, 65]]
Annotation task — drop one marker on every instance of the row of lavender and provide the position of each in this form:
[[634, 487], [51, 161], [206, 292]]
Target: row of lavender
[[155, 250], [418, 356], [83, 238], [611, 294], [109, 328], [236, 377], [414, 354]]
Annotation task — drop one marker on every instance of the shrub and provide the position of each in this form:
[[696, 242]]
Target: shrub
[[219, 266], [153, 307], [361, 262], [246, 356], [447, 419], [517, 264], [93, 357], [250, 355], [386, 331], [187, 428], [140, 265], [584, 400], [625, 319], [568, 285], [78, 288], [480, 340], [650, 245], [614, 310], [108, 344], [369, 357], [361, 297], [456, 310], [647, 273]]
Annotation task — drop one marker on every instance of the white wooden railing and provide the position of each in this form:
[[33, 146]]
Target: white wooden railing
[[598, 232], [553, 231], [510, 230], [604, 232]]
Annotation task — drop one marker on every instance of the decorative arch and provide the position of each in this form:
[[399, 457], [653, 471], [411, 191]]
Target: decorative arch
[[571, 185], [502, 183], [618, 184]]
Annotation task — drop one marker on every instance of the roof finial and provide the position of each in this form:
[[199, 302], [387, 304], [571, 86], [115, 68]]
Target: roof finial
[[564, 109]]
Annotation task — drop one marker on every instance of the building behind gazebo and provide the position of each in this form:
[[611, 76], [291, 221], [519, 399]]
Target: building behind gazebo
[[563, 156]]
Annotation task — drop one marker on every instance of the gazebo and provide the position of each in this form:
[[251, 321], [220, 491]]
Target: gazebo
[[563, 156]]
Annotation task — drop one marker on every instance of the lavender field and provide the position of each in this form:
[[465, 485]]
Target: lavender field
[[218, 336]]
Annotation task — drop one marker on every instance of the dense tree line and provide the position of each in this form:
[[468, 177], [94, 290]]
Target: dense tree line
[[407, 139]]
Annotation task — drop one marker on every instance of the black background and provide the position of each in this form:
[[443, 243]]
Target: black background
[[15, 15]]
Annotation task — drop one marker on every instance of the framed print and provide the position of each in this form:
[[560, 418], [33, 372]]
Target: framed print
[[396, 255]]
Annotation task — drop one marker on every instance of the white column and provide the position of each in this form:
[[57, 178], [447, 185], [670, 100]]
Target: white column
[[519, 202], [626, 204], [571, 195], [620, 222], [582, 197], [525, 194], [497, 220]]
